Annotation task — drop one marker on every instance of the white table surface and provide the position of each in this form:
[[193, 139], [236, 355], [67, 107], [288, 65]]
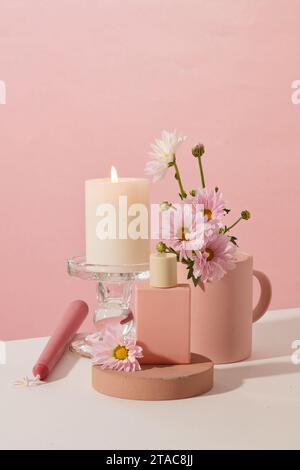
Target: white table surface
[[254, 404]]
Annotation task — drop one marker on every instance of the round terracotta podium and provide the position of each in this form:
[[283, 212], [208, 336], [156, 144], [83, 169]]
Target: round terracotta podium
[[157, 382]]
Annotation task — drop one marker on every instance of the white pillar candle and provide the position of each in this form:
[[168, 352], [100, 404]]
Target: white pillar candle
[[117, 221]]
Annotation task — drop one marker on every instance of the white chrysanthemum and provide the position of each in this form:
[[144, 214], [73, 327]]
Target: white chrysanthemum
[[162, 153]]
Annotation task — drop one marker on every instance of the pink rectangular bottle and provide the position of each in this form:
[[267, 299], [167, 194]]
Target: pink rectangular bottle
[[162, 314]]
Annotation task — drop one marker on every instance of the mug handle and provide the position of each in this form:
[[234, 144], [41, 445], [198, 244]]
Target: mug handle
[[265, 295]]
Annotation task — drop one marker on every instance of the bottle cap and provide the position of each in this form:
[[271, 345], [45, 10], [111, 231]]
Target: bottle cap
[[163, 270]]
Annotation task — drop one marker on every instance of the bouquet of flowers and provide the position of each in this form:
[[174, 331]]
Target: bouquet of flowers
[[213, 246]]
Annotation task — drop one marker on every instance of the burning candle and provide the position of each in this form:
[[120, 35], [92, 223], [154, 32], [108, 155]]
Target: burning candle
[[117, 220]]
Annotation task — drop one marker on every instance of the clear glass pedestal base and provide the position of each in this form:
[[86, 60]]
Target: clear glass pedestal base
[[114, 295]]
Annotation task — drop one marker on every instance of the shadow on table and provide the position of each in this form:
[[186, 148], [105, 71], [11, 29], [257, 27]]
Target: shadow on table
[[64, 367], [270, 340], [234, 377], [274, 339]]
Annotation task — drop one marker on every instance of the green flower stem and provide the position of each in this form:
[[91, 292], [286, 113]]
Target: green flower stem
[[178, 177], [201, 172], [233, 225]]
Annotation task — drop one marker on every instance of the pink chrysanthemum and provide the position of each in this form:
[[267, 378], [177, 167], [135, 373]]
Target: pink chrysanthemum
[[117, 352], [213, 206], [215, 259], [184, 231]]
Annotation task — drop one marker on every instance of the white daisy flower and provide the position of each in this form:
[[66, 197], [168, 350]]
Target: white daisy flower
[[162, 154]]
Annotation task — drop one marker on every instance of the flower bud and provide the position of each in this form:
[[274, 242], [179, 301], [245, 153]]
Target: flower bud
[[198, 150], [165, 206], [161, 247], [245, 215]]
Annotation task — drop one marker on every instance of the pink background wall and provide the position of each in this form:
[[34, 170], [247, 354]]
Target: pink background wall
[[90, 83]]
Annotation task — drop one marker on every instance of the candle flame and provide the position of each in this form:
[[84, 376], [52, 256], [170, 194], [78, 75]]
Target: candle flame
[[113, 175]]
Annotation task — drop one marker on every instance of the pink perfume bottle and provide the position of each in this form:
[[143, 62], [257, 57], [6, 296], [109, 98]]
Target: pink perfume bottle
[[162, 314]]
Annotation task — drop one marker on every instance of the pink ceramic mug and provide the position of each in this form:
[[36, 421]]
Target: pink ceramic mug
[[222, 312]]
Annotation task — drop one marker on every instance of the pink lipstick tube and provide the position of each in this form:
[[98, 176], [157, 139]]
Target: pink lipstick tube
[[64, 332]]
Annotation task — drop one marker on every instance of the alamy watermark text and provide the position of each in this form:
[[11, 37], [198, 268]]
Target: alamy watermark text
[[2, 92]]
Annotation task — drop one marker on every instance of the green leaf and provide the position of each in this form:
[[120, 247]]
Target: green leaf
[[233, 240], [190, 267]]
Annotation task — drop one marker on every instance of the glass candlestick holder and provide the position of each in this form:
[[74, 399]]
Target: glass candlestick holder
[[114, 295]]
